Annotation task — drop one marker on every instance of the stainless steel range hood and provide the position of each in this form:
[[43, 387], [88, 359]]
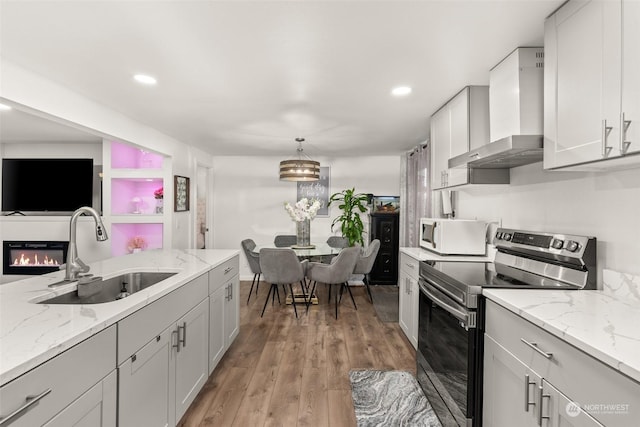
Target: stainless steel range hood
[[515, 114], [508, 152]]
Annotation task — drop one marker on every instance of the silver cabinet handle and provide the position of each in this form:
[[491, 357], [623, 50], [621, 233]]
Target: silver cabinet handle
[[177, 344], [541, 396], [606, 130], [184, 334], [527, 383], [624, 127], [534, 346], [29, 402], [230, 291], [227, 270]]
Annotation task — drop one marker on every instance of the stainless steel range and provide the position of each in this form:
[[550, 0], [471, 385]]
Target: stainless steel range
[[451, 310]]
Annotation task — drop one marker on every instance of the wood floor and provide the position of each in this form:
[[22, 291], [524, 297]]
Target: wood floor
[[283, 371]]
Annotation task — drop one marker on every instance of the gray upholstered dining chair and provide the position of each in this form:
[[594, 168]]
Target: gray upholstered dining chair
[[336, 273], [285, 240], [365, 263], [280, 266], [253, 258]]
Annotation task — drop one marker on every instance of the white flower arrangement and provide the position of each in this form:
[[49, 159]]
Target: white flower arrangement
[[303, 209]]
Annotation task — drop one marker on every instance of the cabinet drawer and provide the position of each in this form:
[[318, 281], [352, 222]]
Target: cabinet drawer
[[410, 265], [581, 377], [67, 375], [146, 323], [219, 275]]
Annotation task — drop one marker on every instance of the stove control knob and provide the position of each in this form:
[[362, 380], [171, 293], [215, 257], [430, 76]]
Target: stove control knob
[[557, 243], [572, 246], [506, 236], [499, 235]]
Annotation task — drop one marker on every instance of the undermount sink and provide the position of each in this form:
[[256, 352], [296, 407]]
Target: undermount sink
[[97, 290]]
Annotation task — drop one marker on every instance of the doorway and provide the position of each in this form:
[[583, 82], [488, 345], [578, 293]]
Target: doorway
[[202, 237]]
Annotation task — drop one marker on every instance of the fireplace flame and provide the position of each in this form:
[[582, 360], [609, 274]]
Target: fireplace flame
[[26, 260]]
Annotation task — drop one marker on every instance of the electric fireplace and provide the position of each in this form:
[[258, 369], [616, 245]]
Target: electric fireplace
[[33, 257]]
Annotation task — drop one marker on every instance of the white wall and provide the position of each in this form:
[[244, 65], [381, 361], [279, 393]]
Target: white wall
[[601, 204], [249, 197]]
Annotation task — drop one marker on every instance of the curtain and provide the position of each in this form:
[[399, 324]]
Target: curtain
[[415, 193]]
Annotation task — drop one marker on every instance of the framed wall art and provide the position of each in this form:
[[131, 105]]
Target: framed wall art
[[181, 193], [317, 190]]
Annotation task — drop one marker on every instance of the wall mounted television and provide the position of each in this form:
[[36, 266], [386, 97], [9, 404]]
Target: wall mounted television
[[48, 186]]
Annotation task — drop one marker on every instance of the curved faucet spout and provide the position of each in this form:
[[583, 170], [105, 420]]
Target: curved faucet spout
[[74, 264]]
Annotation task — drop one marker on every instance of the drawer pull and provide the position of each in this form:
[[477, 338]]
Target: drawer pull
[[536, 348], [228, 269], [527, 383], [29, 402]]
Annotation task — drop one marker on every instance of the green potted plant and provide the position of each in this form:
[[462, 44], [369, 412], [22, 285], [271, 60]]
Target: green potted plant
[[351, 204]]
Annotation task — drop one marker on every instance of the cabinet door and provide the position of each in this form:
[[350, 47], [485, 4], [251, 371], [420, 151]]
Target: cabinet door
[[96, 407], [192, 355], [146, 391], [582, 79], [232, 311], [414, 298], [216, 327], [440, 147], [404, 306], [560, 411], [631, 77], [507, 385]]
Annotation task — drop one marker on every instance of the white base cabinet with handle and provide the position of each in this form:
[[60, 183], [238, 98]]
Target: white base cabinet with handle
[[224, 309], [165, 369], [533, 378], [76, 387], [409, 297]]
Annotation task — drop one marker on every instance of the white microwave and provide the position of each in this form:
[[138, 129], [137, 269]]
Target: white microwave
[[453, 236]]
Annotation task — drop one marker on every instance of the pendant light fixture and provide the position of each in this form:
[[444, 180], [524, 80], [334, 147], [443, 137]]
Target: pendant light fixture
[[300, 169]]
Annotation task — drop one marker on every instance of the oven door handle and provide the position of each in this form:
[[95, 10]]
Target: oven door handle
[[460, 315]]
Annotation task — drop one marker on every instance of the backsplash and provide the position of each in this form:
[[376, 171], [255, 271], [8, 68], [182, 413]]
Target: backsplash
[[623, 286]]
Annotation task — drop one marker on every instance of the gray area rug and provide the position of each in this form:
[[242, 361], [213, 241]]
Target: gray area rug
[[390, 398], [385, 302]]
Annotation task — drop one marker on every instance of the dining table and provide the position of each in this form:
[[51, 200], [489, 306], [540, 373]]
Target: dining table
[[321, 252]]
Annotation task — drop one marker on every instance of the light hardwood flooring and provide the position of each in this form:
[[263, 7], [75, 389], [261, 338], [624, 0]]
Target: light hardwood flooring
[[283, 371]]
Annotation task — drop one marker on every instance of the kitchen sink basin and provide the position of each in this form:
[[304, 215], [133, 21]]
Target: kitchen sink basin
[[98, 290]]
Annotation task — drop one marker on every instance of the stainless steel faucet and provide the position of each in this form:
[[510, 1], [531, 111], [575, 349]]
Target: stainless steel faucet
[[74, 264]]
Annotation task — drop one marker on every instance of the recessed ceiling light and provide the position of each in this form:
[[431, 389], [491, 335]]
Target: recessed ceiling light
[[4, 107], [401, 91], [147, 80]]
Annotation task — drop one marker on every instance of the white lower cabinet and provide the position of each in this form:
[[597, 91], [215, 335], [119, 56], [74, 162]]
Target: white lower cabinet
[[408, 297], [533, 378], [224, 309], [77, 387], [95, 408], [161, 377], [147, 384]]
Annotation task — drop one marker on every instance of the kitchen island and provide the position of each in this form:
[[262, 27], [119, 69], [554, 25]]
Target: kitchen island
[[34, 335]]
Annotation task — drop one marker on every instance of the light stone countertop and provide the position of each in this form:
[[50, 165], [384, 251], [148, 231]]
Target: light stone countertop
[[425, 255], [31, 333], [602, 323]]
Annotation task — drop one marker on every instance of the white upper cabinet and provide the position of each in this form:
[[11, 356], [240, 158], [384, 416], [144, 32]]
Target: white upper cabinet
[[591, 83], [630, 118]]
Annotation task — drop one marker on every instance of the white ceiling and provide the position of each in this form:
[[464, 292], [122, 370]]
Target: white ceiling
[[241, 77]]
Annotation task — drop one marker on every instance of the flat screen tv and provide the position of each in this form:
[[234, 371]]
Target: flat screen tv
[[46, 186]]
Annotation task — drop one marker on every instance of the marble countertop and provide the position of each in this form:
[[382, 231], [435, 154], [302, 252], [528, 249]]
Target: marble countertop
[[425, 255], [602, 323], [32, 333]]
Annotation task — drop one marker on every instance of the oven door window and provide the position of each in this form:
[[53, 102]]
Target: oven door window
[[450, 351]]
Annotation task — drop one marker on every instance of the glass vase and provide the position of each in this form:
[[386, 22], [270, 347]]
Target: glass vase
[[303, 233]]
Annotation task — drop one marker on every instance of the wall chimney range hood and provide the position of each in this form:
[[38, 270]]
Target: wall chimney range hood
[[515, 114]]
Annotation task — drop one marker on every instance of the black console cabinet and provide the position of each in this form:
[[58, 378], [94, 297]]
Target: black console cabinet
[[385, 227]]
